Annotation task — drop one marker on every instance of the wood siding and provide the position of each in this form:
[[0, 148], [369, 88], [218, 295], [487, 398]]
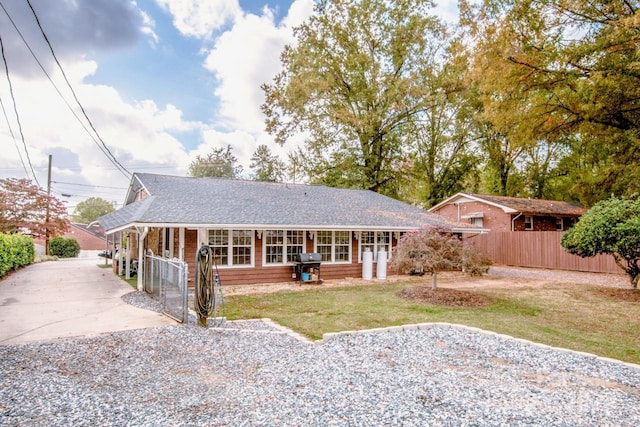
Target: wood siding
[[270, 274], [538, 249]]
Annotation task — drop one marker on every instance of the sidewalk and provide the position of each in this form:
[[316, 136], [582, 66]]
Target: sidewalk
[[67, 298]]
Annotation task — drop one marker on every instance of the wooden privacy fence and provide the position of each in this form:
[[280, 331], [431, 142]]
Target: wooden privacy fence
[[539, 249]]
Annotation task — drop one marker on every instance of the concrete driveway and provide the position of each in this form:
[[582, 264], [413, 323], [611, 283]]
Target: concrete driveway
[[67, 298]]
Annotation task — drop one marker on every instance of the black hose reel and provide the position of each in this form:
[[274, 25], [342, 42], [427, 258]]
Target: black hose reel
[[208, 298]]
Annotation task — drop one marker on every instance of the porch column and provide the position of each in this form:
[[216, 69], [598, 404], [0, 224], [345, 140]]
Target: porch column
[[181, 243], [127, 264], [142, 234], [120, 259]]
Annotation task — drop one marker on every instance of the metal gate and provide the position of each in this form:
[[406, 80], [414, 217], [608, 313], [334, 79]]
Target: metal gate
[[166, 280]]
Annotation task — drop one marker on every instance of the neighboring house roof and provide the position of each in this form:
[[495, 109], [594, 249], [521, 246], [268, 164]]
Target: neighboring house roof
[[517, 204], [93, 229], [227, 203]]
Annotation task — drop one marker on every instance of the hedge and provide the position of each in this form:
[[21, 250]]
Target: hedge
[[16, 250], [63, 247]]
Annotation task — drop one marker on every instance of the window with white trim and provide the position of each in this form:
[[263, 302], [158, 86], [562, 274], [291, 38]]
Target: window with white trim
[[294, 244], [232, 247], [528, 222], [219, 243], [375, 241], [334, 246], [242, 245], [277, 243], [559, 224]]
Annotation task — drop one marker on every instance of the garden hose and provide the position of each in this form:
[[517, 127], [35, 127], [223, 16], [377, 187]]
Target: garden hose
[[208, 298]]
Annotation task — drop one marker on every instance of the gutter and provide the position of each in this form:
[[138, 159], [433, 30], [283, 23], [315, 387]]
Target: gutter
[[513, 227]]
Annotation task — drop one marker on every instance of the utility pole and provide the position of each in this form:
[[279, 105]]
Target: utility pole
[[46, 225]]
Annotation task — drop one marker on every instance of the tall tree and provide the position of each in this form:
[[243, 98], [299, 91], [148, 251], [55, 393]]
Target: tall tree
[[91, 209], [552, 70], [444, 136], [267, 166], [24, 207], [220, 163], [351, 82]]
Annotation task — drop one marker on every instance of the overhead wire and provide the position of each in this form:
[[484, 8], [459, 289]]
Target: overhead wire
[[73, 92], [15, 109], [102, 146], [13, 137], [89, 185]]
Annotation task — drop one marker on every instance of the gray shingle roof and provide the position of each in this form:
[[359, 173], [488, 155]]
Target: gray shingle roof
[[535, 206], [208, 202]]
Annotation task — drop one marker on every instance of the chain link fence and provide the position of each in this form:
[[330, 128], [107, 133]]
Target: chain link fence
[[166, 281]]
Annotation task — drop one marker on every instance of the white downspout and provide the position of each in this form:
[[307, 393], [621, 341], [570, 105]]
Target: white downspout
[[141, 237], [513, 225]]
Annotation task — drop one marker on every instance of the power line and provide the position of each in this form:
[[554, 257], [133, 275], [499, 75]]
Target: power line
[[15, 109], [13, 137], [111, 156], [88, 185], [102, 146]]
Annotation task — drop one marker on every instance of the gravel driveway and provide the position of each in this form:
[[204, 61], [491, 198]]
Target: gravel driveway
[[255, 373]]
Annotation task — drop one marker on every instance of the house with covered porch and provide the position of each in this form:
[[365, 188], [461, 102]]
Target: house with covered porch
[[256, 229]]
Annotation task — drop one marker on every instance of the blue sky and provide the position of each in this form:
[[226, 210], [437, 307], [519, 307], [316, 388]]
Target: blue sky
[[162, 81]]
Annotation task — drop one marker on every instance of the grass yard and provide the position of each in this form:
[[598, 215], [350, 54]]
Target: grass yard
[[579, 317]]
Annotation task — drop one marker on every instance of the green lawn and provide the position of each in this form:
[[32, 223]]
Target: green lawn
[[570, 316]]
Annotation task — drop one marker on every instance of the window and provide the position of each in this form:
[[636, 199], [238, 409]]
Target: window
[[375, 241], [219, 243], [334, 246], [477, 222], [277, 243], [559, 224], [528, 223], [241, 244], [295, 244], [231, 247], [274, 246]]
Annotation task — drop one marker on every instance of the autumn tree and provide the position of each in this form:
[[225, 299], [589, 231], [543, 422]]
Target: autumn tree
[[351, 84], [563, 70], [612, 227], [24, 207], [432, 249], [267, 166], [91, 209], [219, 163]]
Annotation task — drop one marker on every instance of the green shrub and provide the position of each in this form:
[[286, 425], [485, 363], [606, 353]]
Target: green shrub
[[16, 250], [63, 247]]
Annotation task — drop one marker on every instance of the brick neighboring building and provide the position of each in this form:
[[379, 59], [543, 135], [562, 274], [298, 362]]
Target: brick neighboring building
[[500, 213], [90, 238]]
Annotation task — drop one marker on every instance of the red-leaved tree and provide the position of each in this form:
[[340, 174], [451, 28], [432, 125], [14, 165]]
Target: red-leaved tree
[[23, 208], [434, 248]]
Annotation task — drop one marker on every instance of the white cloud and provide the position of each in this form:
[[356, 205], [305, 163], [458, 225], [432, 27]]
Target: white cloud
[[243, 58], [137, 134], [200, 18]]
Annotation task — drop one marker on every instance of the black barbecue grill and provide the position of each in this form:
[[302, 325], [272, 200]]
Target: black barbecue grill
[[307, 267]]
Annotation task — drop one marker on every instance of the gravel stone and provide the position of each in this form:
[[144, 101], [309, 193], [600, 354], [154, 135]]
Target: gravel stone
[[256, 373]]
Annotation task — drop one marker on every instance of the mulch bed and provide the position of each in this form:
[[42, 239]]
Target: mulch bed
[[618, 294], [444, 296]]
